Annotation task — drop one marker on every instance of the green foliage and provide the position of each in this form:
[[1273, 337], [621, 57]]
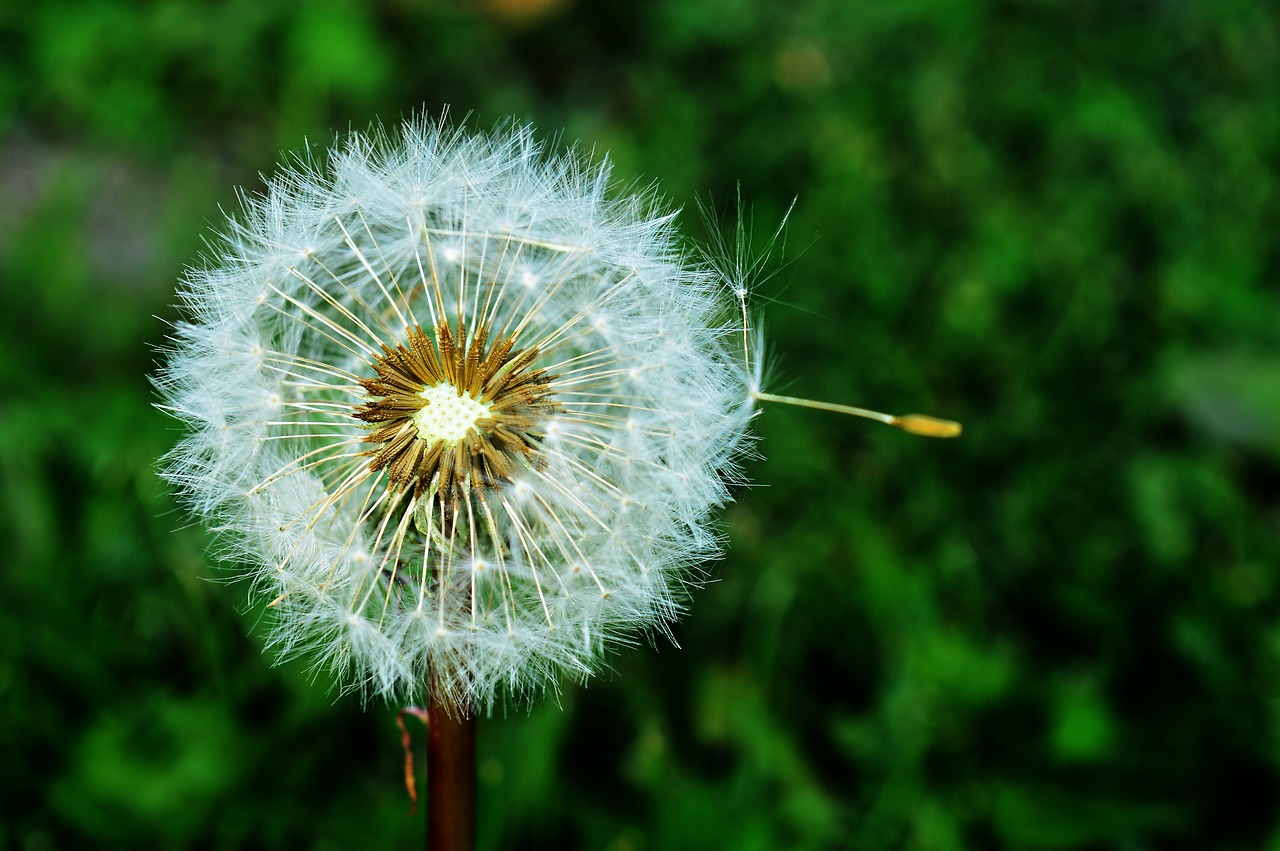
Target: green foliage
[[1055, 222]]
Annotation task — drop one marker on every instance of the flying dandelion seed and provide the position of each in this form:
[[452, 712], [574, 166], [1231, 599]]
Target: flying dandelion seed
[[459, 410]]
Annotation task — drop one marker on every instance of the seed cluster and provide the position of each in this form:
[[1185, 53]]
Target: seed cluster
[[507, 398], [463, 413]]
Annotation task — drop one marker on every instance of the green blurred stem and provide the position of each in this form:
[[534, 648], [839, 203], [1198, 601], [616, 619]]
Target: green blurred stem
[[451, 773]]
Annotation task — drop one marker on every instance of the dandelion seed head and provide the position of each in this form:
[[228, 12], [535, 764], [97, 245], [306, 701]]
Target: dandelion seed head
[[458, 407]]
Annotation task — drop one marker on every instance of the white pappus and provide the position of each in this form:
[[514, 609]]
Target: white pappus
[[459, 409]]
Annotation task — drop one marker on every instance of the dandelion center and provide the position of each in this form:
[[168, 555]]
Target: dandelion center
[[448, 415], [454, 413]]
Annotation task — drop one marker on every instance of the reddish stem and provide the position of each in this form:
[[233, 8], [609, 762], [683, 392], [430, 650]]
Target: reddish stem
[[451, 775]]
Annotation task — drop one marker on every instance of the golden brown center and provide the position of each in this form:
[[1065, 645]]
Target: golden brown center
[[454, 413]]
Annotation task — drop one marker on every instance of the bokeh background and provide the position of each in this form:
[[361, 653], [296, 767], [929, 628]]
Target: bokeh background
[[1055, 221]]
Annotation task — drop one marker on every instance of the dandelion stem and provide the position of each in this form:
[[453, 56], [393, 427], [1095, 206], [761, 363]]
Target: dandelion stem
[[451, 772]]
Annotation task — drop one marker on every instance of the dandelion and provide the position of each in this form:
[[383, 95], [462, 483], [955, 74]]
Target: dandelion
[[463, 414], [466, 417]]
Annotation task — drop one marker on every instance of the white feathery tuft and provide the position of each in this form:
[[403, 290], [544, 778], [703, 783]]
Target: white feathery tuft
[[505, 582]]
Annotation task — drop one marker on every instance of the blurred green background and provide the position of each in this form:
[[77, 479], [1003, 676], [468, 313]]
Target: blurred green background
[[1055, 221]]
